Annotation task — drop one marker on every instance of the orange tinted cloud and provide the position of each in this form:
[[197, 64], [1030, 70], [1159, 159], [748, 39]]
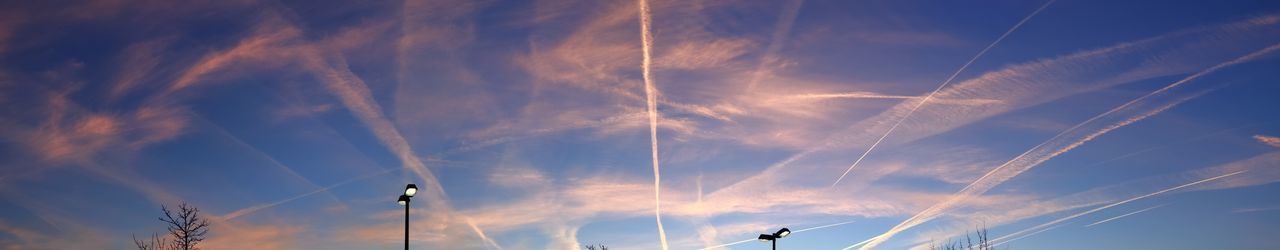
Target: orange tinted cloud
[[1269, 140]]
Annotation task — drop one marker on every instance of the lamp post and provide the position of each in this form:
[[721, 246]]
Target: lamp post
[[775, 236], [409, 191]]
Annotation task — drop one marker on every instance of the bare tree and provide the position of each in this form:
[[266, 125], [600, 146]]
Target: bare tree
[[186, 230], [984, 243], [154, 243], [600, 247]]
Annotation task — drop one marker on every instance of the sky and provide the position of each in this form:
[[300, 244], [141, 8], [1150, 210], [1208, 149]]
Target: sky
[[649, 124]]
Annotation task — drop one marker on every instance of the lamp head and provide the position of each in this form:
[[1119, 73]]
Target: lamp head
[[411, 190], [767, 237], [404, 200], [782, 233]]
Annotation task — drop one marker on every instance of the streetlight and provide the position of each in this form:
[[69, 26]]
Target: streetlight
[[775, 236], [409, 191]]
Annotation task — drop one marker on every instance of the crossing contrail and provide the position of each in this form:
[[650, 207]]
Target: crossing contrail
[[646, 39], [1056, 146], [1060, 220], [935, 91], [255, 208], [1122, 216]]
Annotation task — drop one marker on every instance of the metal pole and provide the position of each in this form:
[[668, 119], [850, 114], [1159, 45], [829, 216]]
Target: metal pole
[[775, 244], [406, 225]]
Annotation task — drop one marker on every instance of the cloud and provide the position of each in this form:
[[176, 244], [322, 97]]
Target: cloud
[[24, 238], [268, 46], [10, 21], [1016, 86], [1251, 171], [695, 55], [139, 63], [1073, 216], [66, 133], [1261, 170], [1128, 113], [1269, 140], [593, 197], [519, 177], [243, 235], [781, 29], [926, 98]]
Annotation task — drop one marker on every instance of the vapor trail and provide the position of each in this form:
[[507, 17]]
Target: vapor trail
[[780, 31], [1161, 146], [255, 208], [1059, 220], [1024, 236], [482, 235], [728, 244], [871, 95], [355, 95], [939, 88], [863, 242], [1122, 216], [1054, 146], [223, 131], [857, 94], [821, 227], [796, 231], [646, 39], [336, 75]]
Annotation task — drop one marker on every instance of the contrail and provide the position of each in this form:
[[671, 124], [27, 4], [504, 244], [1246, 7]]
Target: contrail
[[646, 39], [1161, 146], [484, 237], [1052, 148], [1024, 236], [821, 227], [728, 244], [1122, 216], [333, 72], [255, 208], [856, 94], [871, 95], [796, 231], [863, 242], [289, 170], [1059, 220], [939, 88], [780, 31], [355, 95]]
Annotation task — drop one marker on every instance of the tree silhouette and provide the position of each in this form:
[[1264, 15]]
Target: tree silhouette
[[186, 230], [154, 243], [984, 243], [600, 247]]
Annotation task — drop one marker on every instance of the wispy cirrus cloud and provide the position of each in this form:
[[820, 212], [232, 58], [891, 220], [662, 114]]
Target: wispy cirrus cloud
[[944, 84], [1073, 216], [1137, 110], [1269, 140], [1246, 172]]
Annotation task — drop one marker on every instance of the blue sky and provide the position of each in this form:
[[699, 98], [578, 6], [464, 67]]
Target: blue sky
[[549, 124]]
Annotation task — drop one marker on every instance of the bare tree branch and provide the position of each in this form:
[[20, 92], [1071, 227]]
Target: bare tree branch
[[185, 226]]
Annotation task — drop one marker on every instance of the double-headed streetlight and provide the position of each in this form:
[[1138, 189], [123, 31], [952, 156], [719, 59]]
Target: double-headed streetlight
[[409, 191], [775, 236]]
